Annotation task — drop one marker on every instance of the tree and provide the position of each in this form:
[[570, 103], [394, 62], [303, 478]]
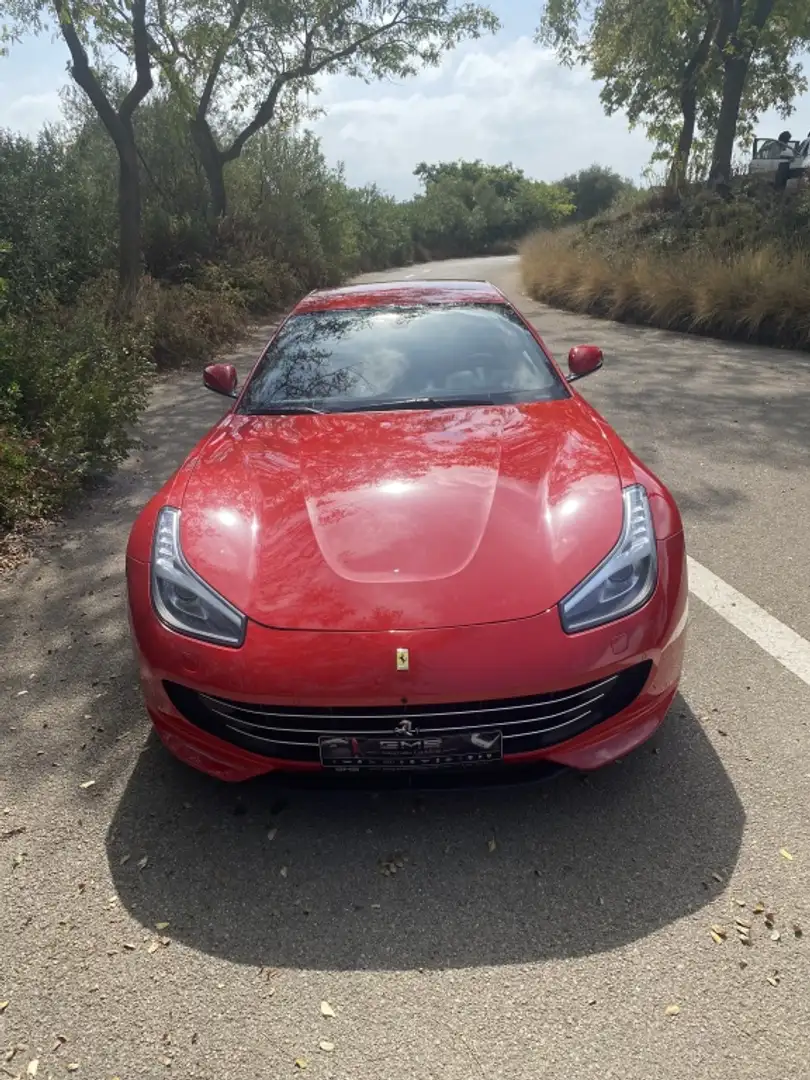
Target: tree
[[651, 56], [659, 60], [747, 28], [594, 190], [469, 207], [263, 53], [100, 21]]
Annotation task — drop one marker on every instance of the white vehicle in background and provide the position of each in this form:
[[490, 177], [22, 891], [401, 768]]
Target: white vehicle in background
[[782, 162]]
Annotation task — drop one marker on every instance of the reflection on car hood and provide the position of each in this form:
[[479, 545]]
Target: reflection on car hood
[[417, 519]]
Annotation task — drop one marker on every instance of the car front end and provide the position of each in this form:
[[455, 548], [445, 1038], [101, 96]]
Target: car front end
[[478, 699]]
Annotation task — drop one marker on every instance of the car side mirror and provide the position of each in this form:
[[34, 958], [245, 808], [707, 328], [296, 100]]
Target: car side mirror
[[584, 360], [221, 378]]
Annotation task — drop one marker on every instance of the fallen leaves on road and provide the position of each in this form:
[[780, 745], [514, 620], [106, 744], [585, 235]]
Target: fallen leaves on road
[[301, 1063], [326, 1009], [786, 854], [86, 784], [775, 935], [797, 930], [719, 934], [758, 909], [326, 1046], [272, 834], [17, 860], [161, 926], [33, 1067], [774, 979], [143, 863], [491, 844], [3, 1006], [672, 1010], [392, 863], [153, 947], [73, 1066]]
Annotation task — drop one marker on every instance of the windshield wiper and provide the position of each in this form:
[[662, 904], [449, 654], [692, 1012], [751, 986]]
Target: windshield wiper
[[285, 410], [428, 402]]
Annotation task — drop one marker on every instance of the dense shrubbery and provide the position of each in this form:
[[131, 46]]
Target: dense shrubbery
[[74, 369], [736, 267]]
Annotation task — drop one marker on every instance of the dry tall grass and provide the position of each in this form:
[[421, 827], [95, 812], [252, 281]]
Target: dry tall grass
[[760, 295]]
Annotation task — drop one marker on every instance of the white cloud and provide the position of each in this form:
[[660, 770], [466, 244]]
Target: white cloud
[[28, 112], [491, 100]]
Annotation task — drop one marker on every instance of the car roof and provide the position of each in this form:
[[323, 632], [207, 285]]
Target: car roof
[[401, 293]]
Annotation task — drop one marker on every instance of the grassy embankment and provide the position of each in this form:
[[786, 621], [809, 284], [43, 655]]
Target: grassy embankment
[[736, 269]]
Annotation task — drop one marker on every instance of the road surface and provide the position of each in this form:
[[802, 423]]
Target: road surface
[[559, 951]]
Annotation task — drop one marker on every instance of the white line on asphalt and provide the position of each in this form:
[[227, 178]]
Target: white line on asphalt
[[778, 640]]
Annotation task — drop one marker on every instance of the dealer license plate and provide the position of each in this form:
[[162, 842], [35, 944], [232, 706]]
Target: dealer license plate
[[411, 751]]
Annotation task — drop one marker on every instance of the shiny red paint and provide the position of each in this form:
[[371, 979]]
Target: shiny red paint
[[454, 533], [406, 520], [221, 378], [584, 360]]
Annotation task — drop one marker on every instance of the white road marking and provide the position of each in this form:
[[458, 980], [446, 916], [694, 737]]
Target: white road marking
[[778, 640]]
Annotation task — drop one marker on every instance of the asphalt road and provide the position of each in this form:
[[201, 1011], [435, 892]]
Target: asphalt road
[[554, 953]]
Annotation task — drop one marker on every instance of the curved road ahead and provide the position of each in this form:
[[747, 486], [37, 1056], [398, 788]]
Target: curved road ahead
[[557, 953]]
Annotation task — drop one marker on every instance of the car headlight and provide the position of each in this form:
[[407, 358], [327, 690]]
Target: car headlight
[[181, 598], [625, 580]]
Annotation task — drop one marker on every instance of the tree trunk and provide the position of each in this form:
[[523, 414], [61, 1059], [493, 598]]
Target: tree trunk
[[213, 163], [737, 40], [735, 72], [688, 101], [118, 123], [680, 163], [129, 217]]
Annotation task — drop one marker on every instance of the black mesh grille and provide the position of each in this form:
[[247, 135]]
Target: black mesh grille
[[530, 723]]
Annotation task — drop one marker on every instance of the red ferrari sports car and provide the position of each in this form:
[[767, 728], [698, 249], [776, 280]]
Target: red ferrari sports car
[[409, 546]]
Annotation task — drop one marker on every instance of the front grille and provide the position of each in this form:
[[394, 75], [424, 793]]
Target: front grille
[[527, 723]]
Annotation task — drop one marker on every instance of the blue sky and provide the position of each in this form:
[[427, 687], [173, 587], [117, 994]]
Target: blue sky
[[500, 99]]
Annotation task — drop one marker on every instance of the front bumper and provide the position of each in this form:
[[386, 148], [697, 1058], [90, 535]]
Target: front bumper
[[484, 663]]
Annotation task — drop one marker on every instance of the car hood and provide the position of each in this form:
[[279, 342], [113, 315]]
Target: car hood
[[402, 520]]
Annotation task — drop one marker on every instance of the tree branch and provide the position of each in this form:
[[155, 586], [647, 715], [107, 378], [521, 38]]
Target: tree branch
[[307, 68], [219, 57], [84, 75], [143, 63]]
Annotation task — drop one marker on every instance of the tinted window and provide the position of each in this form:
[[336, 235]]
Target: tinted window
[[372, 357]]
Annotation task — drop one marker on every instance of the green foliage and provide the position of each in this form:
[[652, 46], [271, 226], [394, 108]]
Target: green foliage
[[594, 190], [651, 56], [469, 207], [72, 382], [52, 217]]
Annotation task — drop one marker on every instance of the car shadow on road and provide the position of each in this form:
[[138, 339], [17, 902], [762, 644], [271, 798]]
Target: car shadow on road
[[260, 876]]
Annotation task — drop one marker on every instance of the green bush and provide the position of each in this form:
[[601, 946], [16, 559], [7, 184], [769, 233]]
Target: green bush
[[73, 383]]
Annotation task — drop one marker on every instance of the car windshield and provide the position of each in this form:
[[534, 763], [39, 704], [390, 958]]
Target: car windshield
[[426, 356]]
